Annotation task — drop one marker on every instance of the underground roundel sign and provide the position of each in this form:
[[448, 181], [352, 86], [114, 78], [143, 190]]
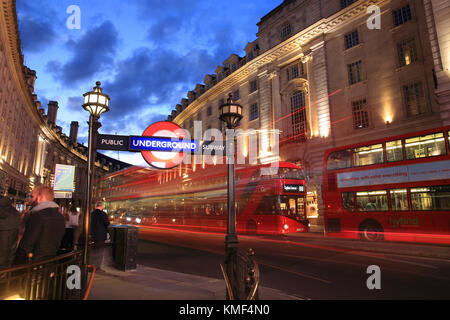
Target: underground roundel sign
[[164, 159]]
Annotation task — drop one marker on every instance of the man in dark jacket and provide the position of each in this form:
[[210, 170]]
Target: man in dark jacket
[[99, 231], [9, 232], [44, 228]]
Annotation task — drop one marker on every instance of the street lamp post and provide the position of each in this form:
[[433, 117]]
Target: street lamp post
[[96, 103], [231, 114]]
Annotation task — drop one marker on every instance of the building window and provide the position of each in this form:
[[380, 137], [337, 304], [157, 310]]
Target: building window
[[407, 52], [351, 39], [253, 86], [236, 95], [298, 116], [285, 31], [360, 114], [355, 72], [346, 3], [253, 111], [294, 71], [191, 123], [402, 15], [209, 111], [414, 99]]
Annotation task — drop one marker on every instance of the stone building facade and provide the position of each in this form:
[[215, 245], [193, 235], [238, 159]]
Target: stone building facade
[[319, 75], [31, 143]]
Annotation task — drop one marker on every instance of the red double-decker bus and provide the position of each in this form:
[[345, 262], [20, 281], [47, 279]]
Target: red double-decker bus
[[195, 197], [397, 188]]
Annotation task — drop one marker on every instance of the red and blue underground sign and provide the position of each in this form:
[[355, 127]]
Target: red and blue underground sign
[[163, 144]]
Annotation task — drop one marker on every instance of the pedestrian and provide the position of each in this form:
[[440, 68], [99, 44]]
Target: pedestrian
[[9, 232], [72, 221], [99, 231], [44, 228]]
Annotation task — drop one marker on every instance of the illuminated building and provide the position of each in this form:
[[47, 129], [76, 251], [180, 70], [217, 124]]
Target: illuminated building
[[31, 143], [317, 73]]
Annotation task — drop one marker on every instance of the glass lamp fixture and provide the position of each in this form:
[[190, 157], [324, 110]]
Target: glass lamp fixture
[[96, 102], [230, 112]]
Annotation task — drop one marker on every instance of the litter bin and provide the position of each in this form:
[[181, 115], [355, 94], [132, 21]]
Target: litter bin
[[124, 239]]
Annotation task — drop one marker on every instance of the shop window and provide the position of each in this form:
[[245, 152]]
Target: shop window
[[372, 200], [425, 146], [399, 200], [368, 155], [394, 151]]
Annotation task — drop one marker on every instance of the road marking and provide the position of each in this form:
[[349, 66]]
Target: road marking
[[304, 275]]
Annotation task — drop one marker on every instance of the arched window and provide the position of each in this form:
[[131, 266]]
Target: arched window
[[298, 115]]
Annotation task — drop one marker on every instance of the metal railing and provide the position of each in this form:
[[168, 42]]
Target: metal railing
[[247, 277], [44, 280]]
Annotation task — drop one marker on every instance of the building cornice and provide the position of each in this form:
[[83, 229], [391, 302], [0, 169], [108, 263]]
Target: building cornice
[[296, 42]]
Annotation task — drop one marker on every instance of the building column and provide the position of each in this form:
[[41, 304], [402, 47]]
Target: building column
[[266, 114], [437, 15], [319, 82]]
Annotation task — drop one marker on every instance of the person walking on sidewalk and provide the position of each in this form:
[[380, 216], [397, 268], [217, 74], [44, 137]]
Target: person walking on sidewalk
[[72, 220], [99, 231], [9, 232], [44, 228]]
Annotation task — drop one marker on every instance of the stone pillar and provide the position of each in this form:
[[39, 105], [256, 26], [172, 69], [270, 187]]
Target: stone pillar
[[437, 15], [320, 81], [265, 112]]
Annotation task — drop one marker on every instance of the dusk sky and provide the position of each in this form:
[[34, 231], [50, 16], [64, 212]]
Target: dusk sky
[[147, 53]]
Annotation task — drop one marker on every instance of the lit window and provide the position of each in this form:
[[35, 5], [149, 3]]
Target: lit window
[[407, 52], [372, 200], [399, 200], [431, 198], [394, 151], [402, 15], [351, 39], [355, 72], [360, 114], [298, 115], [368, 155], [425, 146]]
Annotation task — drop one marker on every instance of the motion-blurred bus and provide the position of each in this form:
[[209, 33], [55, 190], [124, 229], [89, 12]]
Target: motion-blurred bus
[[195, 197]]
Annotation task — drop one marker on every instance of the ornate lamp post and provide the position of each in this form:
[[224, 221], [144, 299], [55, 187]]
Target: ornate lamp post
[[96, 103], [231, 114]]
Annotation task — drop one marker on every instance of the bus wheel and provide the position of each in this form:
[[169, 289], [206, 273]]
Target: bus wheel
[[370, 230], [251, 227]]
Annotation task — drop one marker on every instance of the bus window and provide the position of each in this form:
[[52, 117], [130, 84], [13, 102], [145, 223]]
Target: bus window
[[339, 160], [425, 146], [372, 200], [364, 156], [399, 200], [348, 201], [431, 198], [394, 151]]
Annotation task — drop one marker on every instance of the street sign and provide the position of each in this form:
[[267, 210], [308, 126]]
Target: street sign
[[213, 148], [113, 142], [163, 159]]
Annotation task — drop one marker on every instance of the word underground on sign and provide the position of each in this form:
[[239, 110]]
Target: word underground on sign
[[162, 144]]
